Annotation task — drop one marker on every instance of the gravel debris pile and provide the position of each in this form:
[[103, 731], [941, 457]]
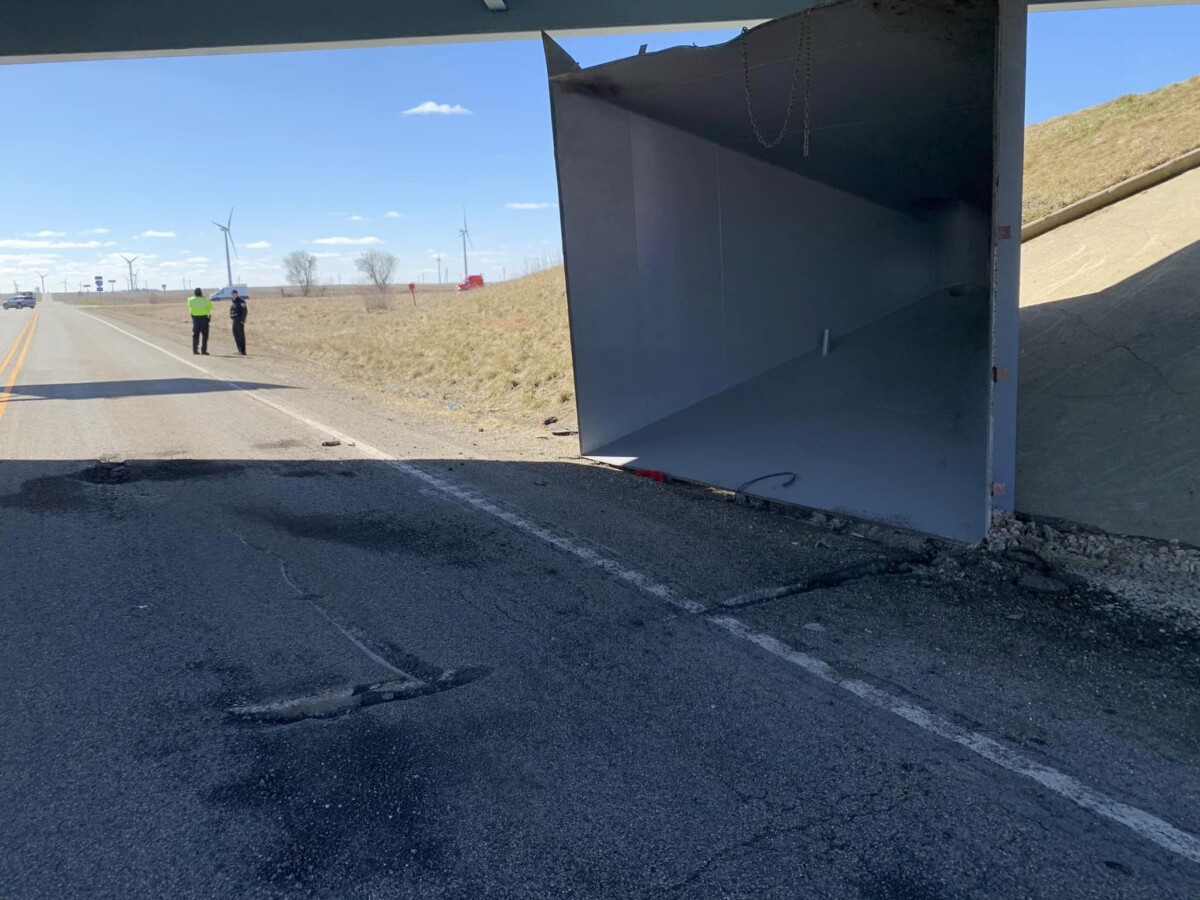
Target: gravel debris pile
[[1161, 577]]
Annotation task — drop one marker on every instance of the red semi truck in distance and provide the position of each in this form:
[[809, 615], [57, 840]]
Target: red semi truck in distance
[[473, 281]]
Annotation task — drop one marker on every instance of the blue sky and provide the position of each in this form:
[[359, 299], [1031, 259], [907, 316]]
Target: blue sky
[[315, 151]]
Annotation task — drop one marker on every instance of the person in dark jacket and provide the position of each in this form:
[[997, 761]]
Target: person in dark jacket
[[238, 312]]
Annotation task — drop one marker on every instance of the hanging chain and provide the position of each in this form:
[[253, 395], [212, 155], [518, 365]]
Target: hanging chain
[[803, 48], [807, 79]]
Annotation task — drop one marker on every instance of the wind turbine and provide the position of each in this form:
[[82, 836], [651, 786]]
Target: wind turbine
[[465, 234], [129, 262], [226, 230], [438, 256], [43, 277]]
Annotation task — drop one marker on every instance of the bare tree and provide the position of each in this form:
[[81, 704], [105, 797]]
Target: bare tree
[[300, 267], [377, 266]]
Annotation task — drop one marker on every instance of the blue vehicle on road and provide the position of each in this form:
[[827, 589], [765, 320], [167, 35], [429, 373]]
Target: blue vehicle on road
[[21, 301]]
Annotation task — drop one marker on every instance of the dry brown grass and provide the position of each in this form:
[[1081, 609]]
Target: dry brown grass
[[1073, 156], [502, 351]]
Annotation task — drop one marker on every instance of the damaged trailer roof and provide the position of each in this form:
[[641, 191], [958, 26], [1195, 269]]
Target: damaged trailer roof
[[881, 97]]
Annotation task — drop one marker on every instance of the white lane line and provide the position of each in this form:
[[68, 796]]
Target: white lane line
[[252, 395], [1142, 823], [589, 556]]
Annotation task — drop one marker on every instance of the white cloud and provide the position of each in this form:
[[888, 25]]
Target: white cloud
[[48, 233], [354, 218], [392, 214], [151, 233], [258, 245], [349, 241], [29, 260], [22, 244], [530, 205], [98, 231], [429, 108], [191, 262]]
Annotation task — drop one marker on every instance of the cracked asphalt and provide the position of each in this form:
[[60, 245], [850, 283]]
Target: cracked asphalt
[[174, 551]]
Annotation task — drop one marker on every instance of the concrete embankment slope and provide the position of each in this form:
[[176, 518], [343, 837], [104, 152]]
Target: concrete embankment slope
[[1109, 428]]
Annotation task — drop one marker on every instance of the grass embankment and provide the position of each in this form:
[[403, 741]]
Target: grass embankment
[[501, 351], [1076, 155]]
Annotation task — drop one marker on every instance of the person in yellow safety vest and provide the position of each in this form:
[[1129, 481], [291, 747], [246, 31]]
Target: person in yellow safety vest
[[201, 309]]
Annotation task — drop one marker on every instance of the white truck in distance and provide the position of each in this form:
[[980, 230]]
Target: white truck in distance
[[226, 293]]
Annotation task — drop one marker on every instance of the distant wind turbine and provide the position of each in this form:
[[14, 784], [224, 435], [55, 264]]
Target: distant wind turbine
[[129, 262], [226, 229], [43, 277], [465, 234]]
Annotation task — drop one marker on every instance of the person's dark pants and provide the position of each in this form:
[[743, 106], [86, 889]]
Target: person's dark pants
[[199, 334], [239, 335]]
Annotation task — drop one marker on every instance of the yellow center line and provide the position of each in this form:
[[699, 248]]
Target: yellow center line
[[17, 343], [16, 369]]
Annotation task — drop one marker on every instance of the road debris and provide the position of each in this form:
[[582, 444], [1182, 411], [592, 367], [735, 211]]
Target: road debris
[[340, 703], [1158, 576]]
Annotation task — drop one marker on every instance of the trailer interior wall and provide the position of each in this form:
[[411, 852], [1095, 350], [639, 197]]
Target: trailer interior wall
[[704, 269]]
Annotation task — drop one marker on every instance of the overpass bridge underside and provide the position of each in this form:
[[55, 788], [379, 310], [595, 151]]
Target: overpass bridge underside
[[839, 305], [54, 30]]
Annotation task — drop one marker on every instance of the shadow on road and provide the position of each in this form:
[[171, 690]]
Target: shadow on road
[[111, 390], [145, 599]]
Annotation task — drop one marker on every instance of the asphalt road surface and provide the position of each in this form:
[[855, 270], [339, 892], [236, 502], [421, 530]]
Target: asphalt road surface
[[238, 660]]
